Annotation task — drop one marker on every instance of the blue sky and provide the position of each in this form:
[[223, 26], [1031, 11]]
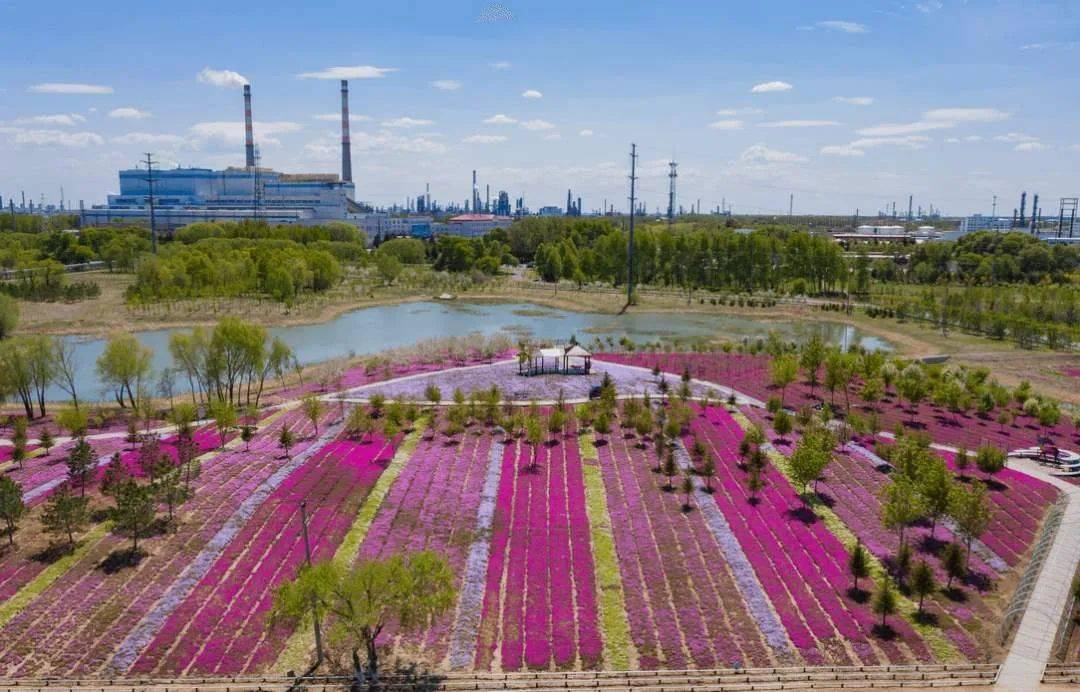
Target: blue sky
[[844, 104]]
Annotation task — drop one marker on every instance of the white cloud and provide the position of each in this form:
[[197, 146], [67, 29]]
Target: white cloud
[[500, 119], [748, 110], [1016, 137], [537, 124], [157, 140], [854, 100], [585, 133], [328, 148], [966, 115], [726, 125], [407, 122], [51, 138], [929, 6], [500, 65], [842, 26], [531, 94], [1049, 45], [761, 154], [859, 146], [225, 79], [553, 136], [61, 119], [1074, 147], [960, 140], [230, 133], [68, 88], [336, 117], [800, 123], [128, 114], [767, 87], [347, 72], [446, 84], [899, 129], [485, 139], [1030, 146], [937, 119]]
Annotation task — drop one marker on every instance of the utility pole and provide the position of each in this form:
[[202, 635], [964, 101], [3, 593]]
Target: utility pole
[[150, 189], [630, 244], [791, 205], [672, 175], [314, 603], [993, 212]]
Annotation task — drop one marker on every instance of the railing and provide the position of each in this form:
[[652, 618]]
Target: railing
[[1019, 601]]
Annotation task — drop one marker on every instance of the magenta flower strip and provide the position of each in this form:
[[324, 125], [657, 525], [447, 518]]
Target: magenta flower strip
[[750, 588], [152, 622], [467, 624]]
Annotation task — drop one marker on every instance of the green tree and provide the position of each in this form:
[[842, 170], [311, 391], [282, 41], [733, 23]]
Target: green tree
[[811, 358], [687, 489], [9, 315], [80, 464], [783, 370], [858, 565], [970, 510], [46, 439], [901, 505], [286, 440], [359, 423], [782, 424], [922, 582], [12, 508], [754, 482], [935, 488], [670, 469], [989, 459], [954, 562], [170, 490], [124, 365], [65, 514], [224, 414], [402, 592], [885, 600], [811, 457], [133, 512]]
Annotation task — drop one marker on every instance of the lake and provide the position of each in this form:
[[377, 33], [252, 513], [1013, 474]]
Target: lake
[[370, 330]]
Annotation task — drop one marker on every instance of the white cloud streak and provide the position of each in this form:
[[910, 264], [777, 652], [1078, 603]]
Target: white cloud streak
[[446, 84], [799, 123], [500, 119], [726, 125], [760, 154], [485, 139], [70, 88], [406, 122], [854, 100], [537, 124], [350, 72], [769, 87], [531, 94], [128, 113], [843, 26]]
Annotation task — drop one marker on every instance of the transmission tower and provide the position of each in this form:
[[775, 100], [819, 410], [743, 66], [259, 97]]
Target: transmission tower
[[630, 244], [671, 192], [1067, 215], [150, 163]]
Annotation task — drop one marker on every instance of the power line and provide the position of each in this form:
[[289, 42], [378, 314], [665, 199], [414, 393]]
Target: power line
[[150, 162]]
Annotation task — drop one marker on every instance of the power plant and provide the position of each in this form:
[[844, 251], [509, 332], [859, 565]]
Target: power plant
[[181, 196]]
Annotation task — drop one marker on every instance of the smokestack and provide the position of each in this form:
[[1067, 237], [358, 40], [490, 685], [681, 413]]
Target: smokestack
[[1023, 206], [249, 137], [346, 145]]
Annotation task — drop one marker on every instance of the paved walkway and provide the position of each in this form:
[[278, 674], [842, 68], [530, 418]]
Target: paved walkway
[[1034, 639]]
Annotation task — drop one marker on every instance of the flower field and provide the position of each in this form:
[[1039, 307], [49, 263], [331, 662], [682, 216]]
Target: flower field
[[570, 554]]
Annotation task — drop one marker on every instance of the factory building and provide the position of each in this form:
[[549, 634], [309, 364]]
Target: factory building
[[476, 224], [186, 195]]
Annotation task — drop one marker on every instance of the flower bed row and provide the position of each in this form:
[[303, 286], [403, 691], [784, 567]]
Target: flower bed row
[[539, 609], [77, 623], [783, 541], [221, 627], [682, 600]]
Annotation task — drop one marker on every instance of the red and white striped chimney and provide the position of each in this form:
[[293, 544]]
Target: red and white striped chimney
[[346, 146], [249, 137]]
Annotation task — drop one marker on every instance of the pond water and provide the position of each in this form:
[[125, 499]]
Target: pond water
[[370, 330]]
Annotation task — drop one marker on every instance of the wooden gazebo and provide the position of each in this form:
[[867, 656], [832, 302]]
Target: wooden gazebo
[[571, 359]]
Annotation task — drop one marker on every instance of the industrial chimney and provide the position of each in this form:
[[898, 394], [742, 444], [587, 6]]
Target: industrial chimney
[[249, 137], [346, 146]]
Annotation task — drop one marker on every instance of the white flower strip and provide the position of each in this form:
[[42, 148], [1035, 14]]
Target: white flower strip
[[467, 623], [978, 547], [756, 601], [153, 621], [868, 455], [46, 488]]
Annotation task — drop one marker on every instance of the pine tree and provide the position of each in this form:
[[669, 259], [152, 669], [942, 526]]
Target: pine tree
[[134, 511], [885, 600], [858, 564], [922, 582], [65, 514], [12, 507], [953, 560], [80, 463]]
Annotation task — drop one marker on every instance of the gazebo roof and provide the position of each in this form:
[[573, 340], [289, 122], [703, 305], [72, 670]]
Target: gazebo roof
[[576, 351]]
